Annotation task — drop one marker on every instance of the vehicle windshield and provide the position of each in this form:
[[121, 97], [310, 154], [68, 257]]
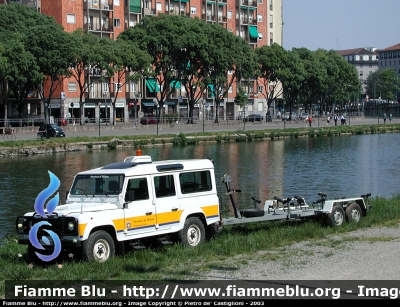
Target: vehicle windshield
[[97, 184]]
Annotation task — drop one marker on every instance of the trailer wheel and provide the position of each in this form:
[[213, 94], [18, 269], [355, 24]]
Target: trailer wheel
[[252, 212], [193, 233], [353, 213], [99, 246], [336, 217]]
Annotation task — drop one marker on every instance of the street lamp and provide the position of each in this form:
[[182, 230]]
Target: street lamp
[[157, 105], [99, 104]]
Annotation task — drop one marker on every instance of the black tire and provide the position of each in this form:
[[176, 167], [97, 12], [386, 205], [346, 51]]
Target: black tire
[[39, 135], [193, 233], [353, 213], [99, 247], [252, 212], [336, 217]]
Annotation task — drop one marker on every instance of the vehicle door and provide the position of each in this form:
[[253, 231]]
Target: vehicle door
[[166, 202], [140, 215]]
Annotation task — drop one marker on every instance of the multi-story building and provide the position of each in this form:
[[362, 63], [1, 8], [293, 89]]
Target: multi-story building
[[390, 58], [259, 22], [365, 60]]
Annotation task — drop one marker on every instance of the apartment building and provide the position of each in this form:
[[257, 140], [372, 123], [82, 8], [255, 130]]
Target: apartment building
[[365, 60], [259, 22], [389, 58]]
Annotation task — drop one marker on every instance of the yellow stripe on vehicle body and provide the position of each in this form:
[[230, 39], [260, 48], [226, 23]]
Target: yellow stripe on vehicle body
[[133, 223]]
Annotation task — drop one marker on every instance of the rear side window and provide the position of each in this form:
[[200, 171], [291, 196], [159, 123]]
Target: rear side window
[[194, 182], [164, 186]]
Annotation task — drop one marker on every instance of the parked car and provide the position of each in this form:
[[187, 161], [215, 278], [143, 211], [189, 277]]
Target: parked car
[[50, 130], [254, 118], [148, 120], [17, 122], [303, 116], [289, 116]]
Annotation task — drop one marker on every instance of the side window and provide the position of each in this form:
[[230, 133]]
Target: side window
[[195, 182], [164, 186], [139, 187]]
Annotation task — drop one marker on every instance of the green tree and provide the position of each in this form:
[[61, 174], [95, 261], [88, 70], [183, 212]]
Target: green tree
[[51, 46], [229, 59], [383, 83], [84, 58], [271, 60], [121, 61], [241, 100]]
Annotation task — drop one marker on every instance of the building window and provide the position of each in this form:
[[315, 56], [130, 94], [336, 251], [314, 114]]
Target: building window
[[104, 87], [70, 18], [229, 15], [132, 87], [116, 2], [260, 89], [259, 18], [259, 1], [193, 10], [158, 6], [260, 35], [118, 87], [117, 23], [230, 90], [71, 87], [361, 73], [271, 21]]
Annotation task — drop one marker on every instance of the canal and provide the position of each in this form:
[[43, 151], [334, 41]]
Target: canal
[[340, 166]]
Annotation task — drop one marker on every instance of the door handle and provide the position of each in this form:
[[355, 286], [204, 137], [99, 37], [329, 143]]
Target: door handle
[[174, 209], [149, 213]]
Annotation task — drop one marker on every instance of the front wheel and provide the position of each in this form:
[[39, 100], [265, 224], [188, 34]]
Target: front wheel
[[39, 135], [336, 217], [193, 232], [353, 213], [99, 246]]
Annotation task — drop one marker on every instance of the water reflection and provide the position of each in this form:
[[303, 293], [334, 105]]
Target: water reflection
[[338, 166]]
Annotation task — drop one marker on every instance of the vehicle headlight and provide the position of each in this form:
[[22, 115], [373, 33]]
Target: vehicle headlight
[[71, 226]]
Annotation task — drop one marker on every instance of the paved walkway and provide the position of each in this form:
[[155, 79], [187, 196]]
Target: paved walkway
[[120, 129]]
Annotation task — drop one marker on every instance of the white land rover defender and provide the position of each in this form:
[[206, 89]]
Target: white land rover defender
[[124, 202]]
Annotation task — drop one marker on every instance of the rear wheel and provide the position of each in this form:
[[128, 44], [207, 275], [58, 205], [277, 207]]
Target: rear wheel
[[193, 233], [99, 246], [336, 217], [353, 213]]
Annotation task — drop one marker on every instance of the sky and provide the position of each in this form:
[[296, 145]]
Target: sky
[[340, 24]]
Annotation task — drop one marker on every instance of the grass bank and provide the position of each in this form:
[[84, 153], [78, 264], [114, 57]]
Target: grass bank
[[233, 247], [137, 141]]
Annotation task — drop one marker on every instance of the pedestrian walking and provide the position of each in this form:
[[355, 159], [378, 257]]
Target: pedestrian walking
[[335, 118], [384, 118], [328, 120], [309, 121]]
